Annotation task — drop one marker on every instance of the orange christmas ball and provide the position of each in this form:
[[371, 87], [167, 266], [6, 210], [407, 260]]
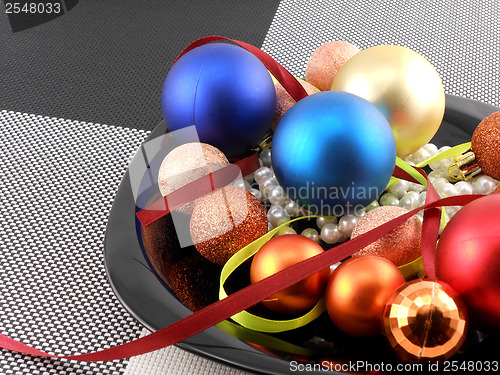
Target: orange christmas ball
[[284, 101], [326, 61], [402, 245], [357, 292], [282, 252], [187, 163], [225, 221]]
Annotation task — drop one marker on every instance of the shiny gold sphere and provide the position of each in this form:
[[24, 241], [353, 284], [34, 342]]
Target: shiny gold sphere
[[357, 292], [282, 252], [403, 85]]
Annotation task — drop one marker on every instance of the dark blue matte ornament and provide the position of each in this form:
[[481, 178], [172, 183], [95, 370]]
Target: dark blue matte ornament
[[225, 91], [333, 152]]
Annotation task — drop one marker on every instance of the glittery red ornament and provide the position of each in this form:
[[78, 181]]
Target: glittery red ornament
[[468, 258], [326, 61], [486, 145], [225, 221], [284, 101], [402, 245], [425, 320], [187, 163]]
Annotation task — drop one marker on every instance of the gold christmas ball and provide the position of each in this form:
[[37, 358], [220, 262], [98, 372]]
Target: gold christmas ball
[[284, 101], [225, 221], [401, 245], [357, 292], [424, 321], [187, 163], [403, 85], [282, 252], [326, 61]]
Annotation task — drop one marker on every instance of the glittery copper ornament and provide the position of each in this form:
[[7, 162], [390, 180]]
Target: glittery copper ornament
[[357, 292], [282, 252], [284, 101], [425, 321], [401, 245], [326, 61], [225, 221], [486, 145], [187, 163]]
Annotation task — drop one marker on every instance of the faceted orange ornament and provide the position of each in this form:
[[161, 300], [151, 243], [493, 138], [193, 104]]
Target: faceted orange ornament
[[425, 321]]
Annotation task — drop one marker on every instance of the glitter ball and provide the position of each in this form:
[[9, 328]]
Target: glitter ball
[[486, 145], [326, 61], [284, 101], [187, 163], [225, 221], [401, 245]]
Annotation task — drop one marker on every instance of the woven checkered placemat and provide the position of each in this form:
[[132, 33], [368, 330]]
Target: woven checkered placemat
[[459, 37], [59, 178]]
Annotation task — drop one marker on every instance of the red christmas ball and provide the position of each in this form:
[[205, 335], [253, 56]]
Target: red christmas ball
[[468, 258]]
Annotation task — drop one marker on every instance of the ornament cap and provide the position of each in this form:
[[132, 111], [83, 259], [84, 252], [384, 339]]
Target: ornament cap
[[465, 167]]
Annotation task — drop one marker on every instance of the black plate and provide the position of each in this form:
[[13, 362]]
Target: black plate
[[153, 304]]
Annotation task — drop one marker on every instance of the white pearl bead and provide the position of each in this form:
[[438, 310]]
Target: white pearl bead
[[311, 233], [322, 220], [464, 188], [372, 206], [442, 164], [360, 212], [262, 173], [330, 233], [399, 188], [275, 194], [451, 211], [269, 181], [439, 173], [277, 215], [249, 178], [410, 200], [343, 237], [265, 157], [347, 224], [416, 187], [292, 208], [420, 156], [431, 148], [285, 230], [421, 198], [438, 181], [389, 199], [484, 185], [446, 190], [256, 193]]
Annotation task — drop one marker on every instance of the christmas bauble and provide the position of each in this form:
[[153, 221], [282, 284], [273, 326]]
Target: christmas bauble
[[284, 100], [187, 163], [225, 221], [325, 149], [486, 145], [425, 320], [225, 92], [468, 258], [282, 252], [403, 85], [326, 61], [357, 292], [401, 245]]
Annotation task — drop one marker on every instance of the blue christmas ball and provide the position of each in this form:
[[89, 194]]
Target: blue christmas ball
[[333, 152], [225, 92]]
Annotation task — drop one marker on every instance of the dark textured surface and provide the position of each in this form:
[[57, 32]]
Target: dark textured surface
[[105, 61]]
